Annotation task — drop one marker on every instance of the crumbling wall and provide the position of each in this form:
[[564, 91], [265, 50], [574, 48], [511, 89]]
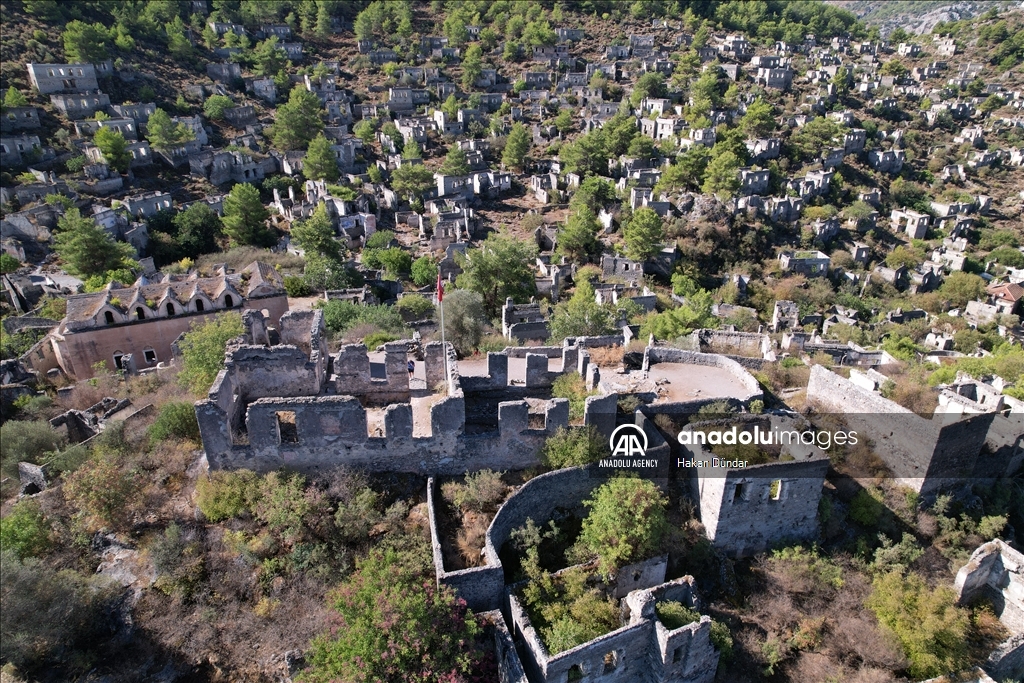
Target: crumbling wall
[[628, 643], [996, 572], [664, 354], [683, 654], [742, 343], [743, 517], [925, 455], [352, 374], [480, 587]]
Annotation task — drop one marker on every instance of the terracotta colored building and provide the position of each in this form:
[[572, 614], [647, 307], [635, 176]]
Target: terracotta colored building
[[143, 320]]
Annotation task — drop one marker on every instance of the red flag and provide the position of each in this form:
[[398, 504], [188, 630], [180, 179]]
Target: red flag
[[440, 287]]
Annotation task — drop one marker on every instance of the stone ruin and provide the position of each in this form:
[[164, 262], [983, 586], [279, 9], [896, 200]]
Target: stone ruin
[[642, 649], [748, 509], [294, 405], [995, 573], [926, 455]]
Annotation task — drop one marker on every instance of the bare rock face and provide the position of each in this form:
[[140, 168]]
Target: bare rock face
[[708, 208]]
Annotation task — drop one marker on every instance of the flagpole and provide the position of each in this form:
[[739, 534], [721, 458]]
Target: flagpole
[[444, 345]]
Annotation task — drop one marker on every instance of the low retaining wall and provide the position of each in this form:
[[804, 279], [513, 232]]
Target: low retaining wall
[[660, 354]]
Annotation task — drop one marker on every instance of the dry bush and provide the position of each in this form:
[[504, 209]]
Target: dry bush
[[471, 537], [780, 377], [356, 333], [870, 675], [607, 356], [88, 393], [861, 461], [857, 640], [665, 424], [915, 396], [636, 346], [811, 666]]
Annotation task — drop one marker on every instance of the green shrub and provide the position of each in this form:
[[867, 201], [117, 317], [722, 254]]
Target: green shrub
[[355, 517], [102, 494], [435, 639], [571, 386], [625, 523], [296, 286], [26, 441], [379, 240], [177, 420], [674, 614], [283, 504], [341, 316], [571, 447], [24, 530], [8, 264], [415, 307], [806, 566], [375, 339], [932, 631], [866, 507], [891, 556], [223, 495], [483, 491], [202, 350], [721, 638], [52, 620]]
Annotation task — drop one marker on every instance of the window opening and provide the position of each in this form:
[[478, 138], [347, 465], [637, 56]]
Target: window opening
[[286, 426]]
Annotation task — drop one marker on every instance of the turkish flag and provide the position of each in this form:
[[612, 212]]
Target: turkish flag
[[440, 288]]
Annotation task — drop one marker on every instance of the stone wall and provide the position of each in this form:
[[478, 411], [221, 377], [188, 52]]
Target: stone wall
[[750, 509], [719, 341], [664, 354], [353, 374], [79, 351], [925, 455], [480, 587], [643, 649], [996, 572]]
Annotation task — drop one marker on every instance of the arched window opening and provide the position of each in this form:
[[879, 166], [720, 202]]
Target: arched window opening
[[228, 301], [200, 306], [109, 317], [170, 309], [140, 314]]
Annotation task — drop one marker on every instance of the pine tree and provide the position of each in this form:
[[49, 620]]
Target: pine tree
[[316, 235], [320, 162], [411, 150], [517, 146], [162, 132], [577, 239], [455, 162], [14, 98], [298, 121], [245, 217], [643, 234], [86, 249], [721, 175], [114, 148]]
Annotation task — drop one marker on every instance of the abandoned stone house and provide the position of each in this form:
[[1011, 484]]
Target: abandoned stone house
[[62, 78], [19, 118], [747, 510], [138, 324], [642, 649], [809, 263], [80, 105], [995, 573]]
